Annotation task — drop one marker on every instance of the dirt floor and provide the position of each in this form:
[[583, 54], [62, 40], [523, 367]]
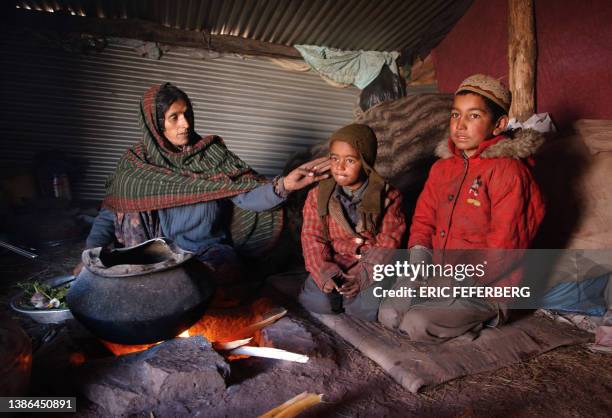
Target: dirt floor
[[567, 382]]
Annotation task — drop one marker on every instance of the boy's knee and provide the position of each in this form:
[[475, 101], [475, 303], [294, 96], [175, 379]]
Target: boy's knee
[[315, 301], [363, 306], [365, 313], [388, 315], [417, 323], [392, 310]]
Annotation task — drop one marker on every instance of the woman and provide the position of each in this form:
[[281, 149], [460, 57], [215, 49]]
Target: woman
[[176, 184]]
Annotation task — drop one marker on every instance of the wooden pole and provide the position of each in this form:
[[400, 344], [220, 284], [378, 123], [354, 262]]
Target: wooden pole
[[522, 58], [146, 31]]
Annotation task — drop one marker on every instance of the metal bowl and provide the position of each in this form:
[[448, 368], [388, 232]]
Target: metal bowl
[[45, 316]]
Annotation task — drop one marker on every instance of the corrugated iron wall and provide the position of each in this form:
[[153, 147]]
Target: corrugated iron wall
[[86, 106]]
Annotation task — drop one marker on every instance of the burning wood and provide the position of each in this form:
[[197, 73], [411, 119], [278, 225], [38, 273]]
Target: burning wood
[[268, 352], [230, 345], [77, 358], [238, 347], [269, 318], [123, 349], [294, 406], [227, 330], [226, 325]]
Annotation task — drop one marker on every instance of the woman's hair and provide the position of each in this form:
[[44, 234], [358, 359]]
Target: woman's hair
[[494, 109], [167, 95]]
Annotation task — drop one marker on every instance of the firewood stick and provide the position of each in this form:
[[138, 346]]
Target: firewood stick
[[248, 331], [294, 406], [268, 352], [230, 345]]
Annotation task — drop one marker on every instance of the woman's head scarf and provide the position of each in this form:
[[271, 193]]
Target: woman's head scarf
[[153, 175]]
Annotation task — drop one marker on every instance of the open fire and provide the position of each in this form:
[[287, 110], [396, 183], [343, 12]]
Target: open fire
[[218, 326], [200, 366]]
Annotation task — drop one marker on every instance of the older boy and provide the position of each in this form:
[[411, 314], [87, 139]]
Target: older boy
[[479, 196]]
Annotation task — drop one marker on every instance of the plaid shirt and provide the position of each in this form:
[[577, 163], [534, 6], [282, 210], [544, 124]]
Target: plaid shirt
[[345, 250]]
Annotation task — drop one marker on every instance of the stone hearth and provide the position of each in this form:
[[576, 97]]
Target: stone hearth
[[174, 370]]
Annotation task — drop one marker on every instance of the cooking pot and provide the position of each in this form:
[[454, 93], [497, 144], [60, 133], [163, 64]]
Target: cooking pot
[[141, 294]]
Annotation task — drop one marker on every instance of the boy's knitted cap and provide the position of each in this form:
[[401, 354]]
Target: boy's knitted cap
[[488, 87], [361, 137]]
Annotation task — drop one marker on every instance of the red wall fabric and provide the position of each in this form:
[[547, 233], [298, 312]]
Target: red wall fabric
[[574, 67]]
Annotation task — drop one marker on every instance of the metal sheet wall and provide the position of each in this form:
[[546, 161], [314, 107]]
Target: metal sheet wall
[[86, 105], [414, 26]]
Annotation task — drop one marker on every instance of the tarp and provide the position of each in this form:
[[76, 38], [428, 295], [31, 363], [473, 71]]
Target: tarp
[[359, 68]]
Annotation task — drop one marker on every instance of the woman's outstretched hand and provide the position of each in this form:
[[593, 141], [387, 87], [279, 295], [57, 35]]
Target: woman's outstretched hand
[[306, 174], [77, 269]]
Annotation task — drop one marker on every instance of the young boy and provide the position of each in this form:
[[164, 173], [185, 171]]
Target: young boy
[[479, 195], [348, 219]]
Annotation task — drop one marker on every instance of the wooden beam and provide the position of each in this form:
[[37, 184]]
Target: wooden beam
[[522, 58], [146, 31]]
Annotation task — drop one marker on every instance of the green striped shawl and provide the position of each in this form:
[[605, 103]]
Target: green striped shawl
[[153, 175]]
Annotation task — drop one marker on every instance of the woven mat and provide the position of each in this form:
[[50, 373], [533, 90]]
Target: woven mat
[[415, 365]]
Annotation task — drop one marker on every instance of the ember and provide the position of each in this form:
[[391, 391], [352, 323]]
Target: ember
[[218, 326], [77, 358]]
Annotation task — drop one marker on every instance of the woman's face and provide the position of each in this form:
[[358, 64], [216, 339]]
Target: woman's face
[[471, 123], [177, 123]]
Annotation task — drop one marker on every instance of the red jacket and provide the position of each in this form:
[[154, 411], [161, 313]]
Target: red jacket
[[487, 201], [344, 249]]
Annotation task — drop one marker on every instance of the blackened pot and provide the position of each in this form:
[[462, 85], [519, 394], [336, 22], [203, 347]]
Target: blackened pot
[[140, 295]]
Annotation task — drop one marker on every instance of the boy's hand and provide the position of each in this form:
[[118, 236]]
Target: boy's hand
[[351, 286], [306, 174], [329, 286]]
